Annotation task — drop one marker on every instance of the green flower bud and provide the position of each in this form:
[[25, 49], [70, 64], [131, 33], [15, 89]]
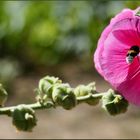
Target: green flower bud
[[24, 118], [89, 90], [92, 87], [44, 93], [93, 101], [81, 90], [46, 83], [113, 103], [64, 96], [3, 95]]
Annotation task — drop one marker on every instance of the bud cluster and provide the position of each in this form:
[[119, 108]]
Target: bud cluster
[[52, 89], [61, 94], [52, 92]]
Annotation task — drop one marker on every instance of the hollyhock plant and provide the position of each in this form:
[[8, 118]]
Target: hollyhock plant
[[117, 55]]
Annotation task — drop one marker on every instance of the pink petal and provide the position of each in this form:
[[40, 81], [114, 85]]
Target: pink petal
[[126, 13], [122, 76], [127, 31], [131, 88], [119, 36], [112, 60]]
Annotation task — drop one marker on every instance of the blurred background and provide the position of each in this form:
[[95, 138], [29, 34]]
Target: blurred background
[[39, 38]]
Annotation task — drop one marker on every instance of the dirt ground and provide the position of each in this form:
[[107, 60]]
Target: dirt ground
[[84, 121]]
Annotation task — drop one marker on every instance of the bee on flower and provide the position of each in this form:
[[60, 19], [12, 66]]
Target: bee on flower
[[117, 55]]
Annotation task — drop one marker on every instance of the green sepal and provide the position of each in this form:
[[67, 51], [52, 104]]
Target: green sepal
[[113, 103], [24, 118]]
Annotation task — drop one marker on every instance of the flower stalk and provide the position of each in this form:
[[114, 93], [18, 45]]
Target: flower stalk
[[35, 106], [52, 93]]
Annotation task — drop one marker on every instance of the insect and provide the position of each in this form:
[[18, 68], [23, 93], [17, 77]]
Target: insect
[[132, 53]]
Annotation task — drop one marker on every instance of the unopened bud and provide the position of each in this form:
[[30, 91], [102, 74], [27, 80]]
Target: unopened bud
[[81, 90], [64, 96], [93, 101], [114, 103], [45, 87], [24, 118], [47, 82], [89, 90]]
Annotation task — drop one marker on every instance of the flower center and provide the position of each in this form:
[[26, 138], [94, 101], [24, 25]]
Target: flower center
[[132, 53]]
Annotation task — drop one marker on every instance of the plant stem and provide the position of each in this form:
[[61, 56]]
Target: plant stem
[[35, 106], [87, 97]]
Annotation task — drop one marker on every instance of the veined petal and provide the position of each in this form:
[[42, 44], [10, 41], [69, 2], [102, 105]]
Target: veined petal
[[127, 31], [126, 13], [113, 62], [130, 89], [121, 34]]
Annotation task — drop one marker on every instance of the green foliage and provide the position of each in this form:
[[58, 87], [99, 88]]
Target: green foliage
[[50, 32]]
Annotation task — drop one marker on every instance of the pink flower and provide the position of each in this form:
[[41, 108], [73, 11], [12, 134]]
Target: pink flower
[[116, 42]]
